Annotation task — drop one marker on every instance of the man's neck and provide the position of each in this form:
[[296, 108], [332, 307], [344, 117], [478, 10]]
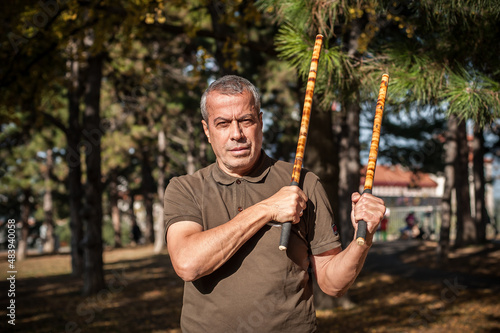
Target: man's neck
[[240, 172]]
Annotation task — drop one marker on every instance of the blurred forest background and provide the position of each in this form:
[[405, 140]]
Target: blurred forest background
[[99, 108]]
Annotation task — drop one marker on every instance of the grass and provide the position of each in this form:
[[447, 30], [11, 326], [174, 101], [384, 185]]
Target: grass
[[143, 294]]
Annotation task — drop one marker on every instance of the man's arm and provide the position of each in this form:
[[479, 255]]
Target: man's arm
[[336, 270], [195, 252]]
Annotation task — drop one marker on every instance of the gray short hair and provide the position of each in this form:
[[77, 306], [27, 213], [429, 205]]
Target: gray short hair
[[230, 85]]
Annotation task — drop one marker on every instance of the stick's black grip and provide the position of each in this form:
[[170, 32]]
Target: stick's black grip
[[361, 234], [286, 228]]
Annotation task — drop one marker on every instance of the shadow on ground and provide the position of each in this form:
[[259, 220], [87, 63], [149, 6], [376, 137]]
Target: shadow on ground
[[399, 290]]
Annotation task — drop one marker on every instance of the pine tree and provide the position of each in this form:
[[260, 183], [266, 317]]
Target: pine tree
[[365, 38], [456, 73]]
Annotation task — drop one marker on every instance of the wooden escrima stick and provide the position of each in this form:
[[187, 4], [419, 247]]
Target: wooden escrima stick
[[372, 158], [304, 128]]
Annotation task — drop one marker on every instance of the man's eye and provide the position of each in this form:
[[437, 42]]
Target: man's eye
[[222, 124], [247, 122]]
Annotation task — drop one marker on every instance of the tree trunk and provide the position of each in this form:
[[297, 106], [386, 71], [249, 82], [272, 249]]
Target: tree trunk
[[349, 148], [349, 168], [93, 278], [73, 158], [321, 157], [450, 157], [135, 230], [216, 10], [203, 150], [190, 151], [349, 178], [147, 188], [161, 161], [115, 211], [466, 231], [481, 217], [22, 243], [49, 240]]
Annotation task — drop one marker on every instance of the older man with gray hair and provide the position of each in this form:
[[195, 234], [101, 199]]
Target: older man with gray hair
[[223, 228]]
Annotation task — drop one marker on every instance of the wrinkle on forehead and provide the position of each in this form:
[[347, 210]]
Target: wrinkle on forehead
[[230, 106]]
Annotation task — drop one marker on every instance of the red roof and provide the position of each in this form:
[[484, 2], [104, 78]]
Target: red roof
[[397, 176]]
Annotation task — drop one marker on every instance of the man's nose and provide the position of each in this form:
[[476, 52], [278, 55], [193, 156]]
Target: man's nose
[[236, 132]]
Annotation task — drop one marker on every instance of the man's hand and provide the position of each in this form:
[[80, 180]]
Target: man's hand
[[368, 208], [286, 205]]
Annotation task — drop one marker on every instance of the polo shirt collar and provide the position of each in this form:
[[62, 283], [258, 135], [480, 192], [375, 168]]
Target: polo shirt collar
[[261, 171]]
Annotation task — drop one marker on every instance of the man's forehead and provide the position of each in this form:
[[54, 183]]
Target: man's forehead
[[230, 106], [220, 95], [234, 116]]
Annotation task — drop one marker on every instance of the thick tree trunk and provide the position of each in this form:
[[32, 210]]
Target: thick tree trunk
[[450, 157], [321, 157], [349, 168], [349, 147], [349, 178], [22, 243], [161, 161], [216, 10], [73, 158], [481, 217], [466, 231], [75, 203], [49, 240], [115, 211], [93, 277], [322, 152]]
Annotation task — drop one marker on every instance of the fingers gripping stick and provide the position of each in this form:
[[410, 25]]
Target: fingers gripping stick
[[372, 158], [304, 127]]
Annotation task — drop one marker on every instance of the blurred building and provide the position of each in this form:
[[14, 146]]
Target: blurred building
[[405, 191], [402, 187]]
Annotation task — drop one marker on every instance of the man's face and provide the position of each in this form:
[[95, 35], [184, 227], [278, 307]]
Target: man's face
[[234, 130]]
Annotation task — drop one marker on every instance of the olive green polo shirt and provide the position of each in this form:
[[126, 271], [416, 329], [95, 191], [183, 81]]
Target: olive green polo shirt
[[260, 288]]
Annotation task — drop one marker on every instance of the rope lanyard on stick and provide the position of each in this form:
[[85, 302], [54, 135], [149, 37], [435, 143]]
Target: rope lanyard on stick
[[372, 158], [304, 127]]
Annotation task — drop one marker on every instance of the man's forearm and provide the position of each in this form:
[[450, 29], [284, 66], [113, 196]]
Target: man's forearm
[[196, 253], [336, 271], [203, 252], [341, 272]]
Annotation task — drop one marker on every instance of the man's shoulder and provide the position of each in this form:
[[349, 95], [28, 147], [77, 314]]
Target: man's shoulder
[[196, 178], [284, 167], [282, 164]]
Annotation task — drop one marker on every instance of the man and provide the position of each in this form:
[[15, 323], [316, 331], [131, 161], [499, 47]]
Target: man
[[223, 228]]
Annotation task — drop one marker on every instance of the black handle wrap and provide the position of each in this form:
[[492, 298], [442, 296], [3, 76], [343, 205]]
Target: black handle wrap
[[286, 228], [361, 233]]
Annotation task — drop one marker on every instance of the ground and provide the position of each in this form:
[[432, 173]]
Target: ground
[[400, 289]]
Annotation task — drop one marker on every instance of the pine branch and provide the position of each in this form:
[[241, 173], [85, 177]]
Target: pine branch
[[56, 122]]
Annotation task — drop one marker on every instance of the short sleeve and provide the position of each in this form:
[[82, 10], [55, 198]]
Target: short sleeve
[[324, 235], [180, 204]]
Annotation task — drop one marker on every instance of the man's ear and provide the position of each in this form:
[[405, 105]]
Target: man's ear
[[205, 129]]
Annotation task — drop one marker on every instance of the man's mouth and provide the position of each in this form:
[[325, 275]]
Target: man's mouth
[[239, 149]]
